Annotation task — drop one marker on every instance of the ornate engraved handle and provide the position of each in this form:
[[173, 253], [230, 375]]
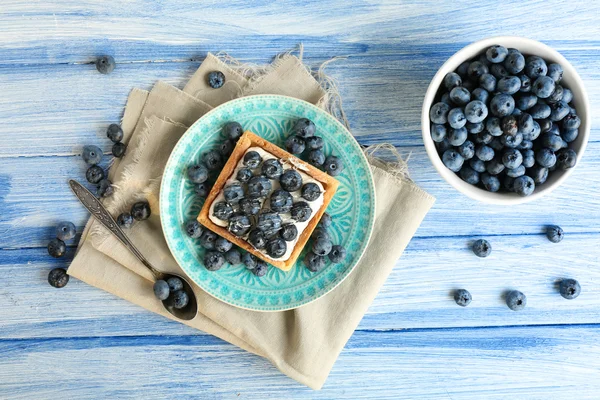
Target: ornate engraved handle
[[103, 216]]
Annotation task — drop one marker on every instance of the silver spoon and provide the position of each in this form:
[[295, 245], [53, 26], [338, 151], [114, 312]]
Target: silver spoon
[[103, 216]]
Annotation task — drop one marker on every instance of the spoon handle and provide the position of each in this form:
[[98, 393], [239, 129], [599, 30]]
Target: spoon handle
[[103, 216]]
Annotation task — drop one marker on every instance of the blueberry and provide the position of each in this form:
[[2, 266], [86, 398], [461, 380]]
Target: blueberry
[[239, 224], [272, 168], [232, 130], [333, 165], [140, 210], [480, 94], [552, 141], [114, 133], [322, 246], [252, 159], [569, 289], [498, 71], [525, 145], [233, 192], [276, 248], [462, 297], [222, 245], [438, 113], [566, 158], [483, 59], [94, 174], [215, 79], [337, 254], [456, 137], [476, 111], [516, 112], [104, 188], [65, 231], [249, 260], [484, 152], [555, 72], [540, 111], [509, 85], [483, 138], [496, 144], [443, 146], [488, 82], [482, 248], [325, 221], [226, 148], [249, 206], [525, 83], [257, 239], [212, 160], [493, 126], [295, 144], [476, 69], [502, 105], [180, 299], [512, 141], [304, 128], [313, 262], [554, 233], [288, 232], [567, 95], [290, 180], [516, 300], [466, 150], [456, 118], [477, 165], [268, 221], [260, 269], [490, 182], [570, 122], [524, 185], [545, 124], [243, 175], [463, 68], [535, 67], [570, 135], [514, 63], [202, 189], [316, 157], [446, 99], [174, 283], [533, 133], [161, 289], [526, 101], [528, 158], [543, 87], [222, 210], [207, 240], [58, 278], [496, 54], [258, 186], [475, 128], [545, 157], [538, 174], [301, 211], [508, 184], [554, 129], [314, 142], [118, 149], [510, 125], [470, 85], [453, 160], [319, 233], [452, 80], [125, 220], [516, 172], [512, 158], [556, 95], [281, 201], [105, 64], [469, 175], [233, 256], [460, 96], [494, 167], [197, 173], [193, 229], [438, 132], [559, 111]]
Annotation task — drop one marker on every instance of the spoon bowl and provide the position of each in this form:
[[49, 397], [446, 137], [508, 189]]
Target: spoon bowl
[[191, 309]]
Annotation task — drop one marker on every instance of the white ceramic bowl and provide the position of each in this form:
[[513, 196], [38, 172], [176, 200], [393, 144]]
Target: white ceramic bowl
[[528, 47]]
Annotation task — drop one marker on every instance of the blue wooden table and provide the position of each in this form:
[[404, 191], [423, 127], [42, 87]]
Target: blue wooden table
[[80, 342]]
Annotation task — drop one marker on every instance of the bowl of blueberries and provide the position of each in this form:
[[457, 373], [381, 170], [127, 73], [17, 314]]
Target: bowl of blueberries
[[505, 120]]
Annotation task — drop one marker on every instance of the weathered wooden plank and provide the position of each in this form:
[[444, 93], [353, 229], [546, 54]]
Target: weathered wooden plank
[[529, 362], [416, 295]]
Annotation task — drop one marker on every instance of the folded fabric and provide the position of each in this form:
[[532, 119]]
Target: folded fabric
[[303, 343]]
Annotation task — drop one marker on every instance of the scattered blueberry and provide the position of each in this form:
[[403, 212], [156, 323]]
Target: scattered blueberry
[[290, 180], [222, 245], [215, 79], [180, 299], [260, 269], [207, 240], [212, 160], [94, 174], [516, 300], [140, 210], [65, 231], [482, 248], [233, 256], [125, 220], [194, 229], [104, 188], [325, 221], [202, 189], [232, 130], [58, 278], [569, 289], [118, 149], [91, 154], [322, 246], [462, 297], [226, 148], [304, 128], [316, 157], [105, 64], [114, 133], [313, 262], [161, 289], [295, 144], [555, 233], [337, 254], [334, 165], [314, 142]]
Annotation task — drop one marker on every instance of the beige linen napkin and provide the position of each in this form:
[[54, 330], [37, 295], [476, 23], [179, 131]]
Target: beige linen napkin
[[303, 343]]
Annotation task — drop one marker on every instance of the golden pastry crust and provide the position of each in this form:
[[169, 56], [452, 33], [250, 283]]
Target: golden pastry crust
[[248, 140]]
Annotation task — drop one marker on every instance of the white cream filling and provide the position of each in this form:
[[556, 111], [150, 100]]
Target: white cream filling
[[285, 217]]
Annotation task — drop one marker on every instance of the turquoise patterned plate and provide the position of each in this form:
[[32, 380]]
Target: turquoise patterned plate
[[352, 208]]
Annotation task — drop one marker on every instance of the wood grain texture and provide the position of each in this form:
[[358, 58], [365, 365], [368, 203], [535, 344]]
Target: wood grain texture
[[53, 101]]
